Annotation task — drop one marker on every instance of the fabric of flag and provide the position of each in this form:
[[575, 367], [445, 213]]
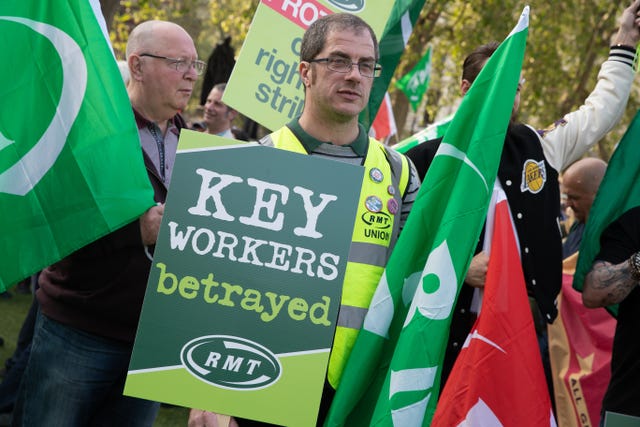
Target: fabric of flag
[[619, 191], [392, 377], [415, 83], [395, 36], [384, 125], [71, 167], [498, 378], [580, 344], [433, 131]]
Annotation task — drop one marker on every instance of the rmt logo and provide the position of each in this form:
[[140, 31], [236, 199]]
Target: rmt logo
[[379, 220], [230, 362], [349, 5]]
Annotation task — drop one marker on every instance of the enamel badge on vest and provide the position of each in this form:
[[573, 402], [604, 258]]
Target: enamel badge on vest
[[376, 175]]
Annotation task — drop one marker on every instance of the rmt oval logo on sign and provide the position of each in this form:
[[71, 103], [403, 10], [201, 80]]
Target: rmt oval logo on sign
[[349, 5], [231, 362]]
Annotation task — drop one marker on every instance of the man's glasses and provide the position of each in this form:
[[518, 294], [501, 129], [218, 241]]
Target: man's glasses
[[181, 65], [342, 65]]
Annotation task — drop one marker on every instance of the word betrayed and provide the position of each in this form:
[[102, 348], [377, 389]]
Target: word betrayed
[[268, 305]]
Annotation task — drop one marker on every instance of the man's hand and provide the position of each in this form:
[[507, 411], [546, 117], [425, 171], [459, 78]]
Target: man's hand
[[200, 418], [150, 224], [477, 273], [629, 32]]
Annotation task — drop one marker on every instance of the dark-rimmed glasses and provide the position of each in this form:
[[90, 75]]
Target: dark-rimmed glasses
[[342, 65]]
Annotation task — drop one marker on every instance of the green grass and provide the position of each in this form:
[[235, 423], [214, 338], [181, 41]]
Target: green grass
[[12, 314], [171, 417]]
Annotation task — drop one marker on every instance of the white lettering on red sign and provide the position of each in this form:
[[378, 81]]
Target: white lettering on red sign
[[301, 12]]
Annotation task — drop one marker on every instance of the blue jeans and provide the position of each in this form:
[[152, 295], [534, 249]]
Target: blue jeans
[[74, 378]]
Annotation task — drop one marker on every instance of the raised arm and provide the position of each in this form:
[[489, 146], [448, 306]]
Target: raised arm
[[576, 132]]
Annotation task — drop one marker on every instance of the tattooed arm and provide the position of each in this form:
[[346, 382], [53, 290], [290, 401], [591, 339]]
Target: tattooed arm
[[607, 284]]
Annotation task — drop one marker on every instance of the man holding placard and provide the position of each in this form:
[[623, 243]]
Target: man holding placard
[[338, 62]]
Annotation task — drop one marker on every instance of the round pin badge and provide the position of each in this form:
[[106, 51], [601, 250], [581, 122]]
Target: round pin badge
[[392, 206], [376, 175], [391, 190], [373, 204]]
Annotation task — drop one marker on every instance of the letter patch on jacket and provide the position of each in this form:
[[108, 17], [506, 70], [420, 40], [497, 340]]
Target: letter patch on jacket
[[534, 175], [558, 123]]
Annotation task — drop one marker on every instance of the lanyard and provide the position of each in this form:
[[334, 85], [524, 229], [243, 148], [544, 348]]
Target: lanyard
[[160, 142]]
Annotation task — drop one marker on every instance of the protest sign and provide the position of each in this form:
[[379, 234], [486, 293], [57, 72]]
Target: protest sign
[[245, 283]]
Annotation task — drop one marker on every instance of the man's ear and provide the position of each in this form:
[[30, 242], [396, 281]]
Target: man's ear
[[304, 69], [135, 67], [464, 86]]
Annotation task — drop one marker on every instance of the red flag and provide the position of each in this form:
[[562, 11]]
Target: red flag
[[580, 343], [498, 379], [384, 125]]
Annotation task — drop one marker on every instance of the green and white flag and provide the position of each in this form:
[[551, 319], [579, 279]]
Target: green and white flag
[[618, 192], [433, 131], [71, 168], [393, 375], [414, 84], [395, 36]]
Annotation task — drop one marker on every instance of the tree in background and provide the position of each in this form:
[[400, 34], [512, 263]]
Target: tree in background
[[567, 43]]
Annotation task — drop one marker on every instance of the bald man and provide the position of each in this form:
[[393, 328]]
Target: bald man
[[91, 300], [580, 183]]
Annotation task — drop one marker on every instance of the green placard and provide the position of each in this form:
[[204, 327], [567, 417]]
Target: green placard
[[245, 284], [613, 419], [265, 84]]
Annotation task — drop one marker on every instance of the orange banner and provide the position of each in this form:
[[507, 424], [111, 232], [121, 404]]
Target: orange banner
[[580, 342]]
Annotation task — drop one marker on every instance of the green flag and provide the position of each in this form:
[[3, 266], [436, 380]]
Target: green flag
[[433, 131], [393, 374], [71, 168], [395, 36], [415, 83], [619, 191]]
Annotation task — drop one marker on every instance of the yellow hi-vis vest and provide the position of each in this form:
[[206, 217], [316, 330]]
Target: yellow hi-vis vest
[[375, 232]]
